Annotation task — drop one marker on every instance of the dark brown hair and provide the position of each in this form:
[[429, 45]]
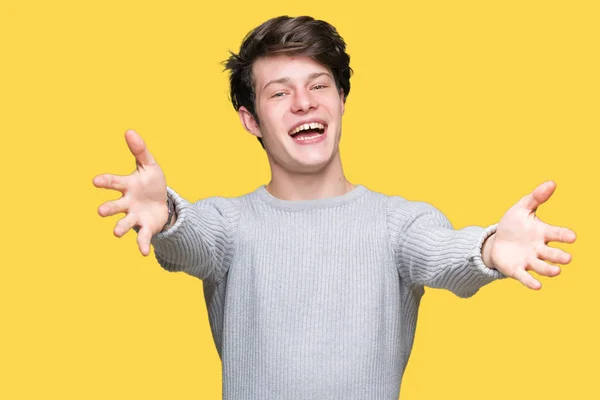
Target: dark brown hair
[[285, 35]]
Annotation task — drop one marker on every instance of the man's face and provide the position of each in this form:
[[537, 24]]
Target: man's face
[[300, 112]]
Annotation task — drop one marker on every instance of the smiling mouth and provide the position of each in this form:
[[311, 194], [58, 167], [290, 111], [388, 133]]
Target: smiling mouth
[[308, 131]]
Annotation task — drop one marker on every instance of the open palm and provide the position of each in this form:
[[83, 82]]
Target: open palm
[[521, 240], [144, 194]]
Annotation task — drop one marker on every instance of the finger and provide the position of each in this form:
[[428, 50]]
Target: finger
[[554, 255], [144, 237], [526, 279], [109, 181], [138, 148], [559, 234], [543, 268], [114, 207], [540, 195], [125, 224]]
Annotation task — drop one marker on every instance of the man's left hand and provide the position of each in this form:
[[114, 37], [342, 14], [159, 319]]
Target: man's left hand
[[520, 243]]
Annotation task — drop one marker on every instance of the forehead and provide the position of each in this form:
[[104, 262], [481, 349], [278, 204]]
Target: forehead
[[293, 68]]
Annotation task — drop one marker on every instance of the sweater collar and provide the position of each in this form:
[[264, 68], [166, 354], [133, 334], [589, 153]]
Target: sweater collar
[[335, 201]]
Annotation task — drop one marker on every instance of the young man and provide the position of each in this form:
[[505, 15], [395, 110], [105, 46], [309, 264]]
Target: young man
[[313, 283]]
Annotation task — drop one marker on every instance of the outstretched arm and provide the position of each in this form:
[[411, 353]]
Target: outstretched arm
[[199, 239], [430, 252]]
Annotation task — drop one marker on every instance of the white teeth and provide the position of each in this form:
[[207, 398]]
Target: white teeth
[[304, 127]]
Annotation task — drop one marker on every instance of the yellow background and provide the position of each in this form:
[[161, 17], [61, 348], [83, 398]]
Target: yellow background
[[465, 104]]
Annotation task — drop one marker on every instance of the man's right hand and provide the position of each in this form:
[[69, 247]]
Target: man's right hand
[[144, 199]]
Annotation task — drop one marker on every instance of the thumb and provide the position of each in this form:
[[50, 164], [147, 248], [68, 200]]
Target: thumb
[[540, 195], [138, 148]]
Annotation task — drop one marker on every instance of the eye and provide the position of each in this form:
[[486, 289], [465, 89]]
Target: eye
[[319, 86], [278, 94]]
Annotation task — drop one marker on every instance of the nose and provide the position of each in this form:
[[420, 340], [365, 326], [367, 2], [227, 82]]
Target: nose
[[303, 101]]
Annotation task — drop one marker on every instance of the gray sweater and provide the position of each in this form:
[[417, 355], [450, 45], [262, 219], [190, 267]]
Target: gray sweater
[[318, 299]]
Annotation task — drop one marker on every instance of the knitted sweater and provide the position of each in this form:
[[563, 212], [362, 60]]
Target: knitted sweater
[[318, 299]]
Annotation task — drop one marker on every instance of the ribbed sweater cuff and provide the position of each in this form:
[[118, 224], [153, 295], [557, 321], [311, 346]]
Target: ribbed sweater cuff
[[481, 274], [181, 209]]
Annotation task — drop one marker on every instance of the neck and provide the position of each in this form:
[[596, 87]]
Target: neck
[[327, 182]]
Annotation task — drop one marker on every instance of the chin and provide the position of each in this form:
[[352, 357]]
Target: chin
[[313, 164]]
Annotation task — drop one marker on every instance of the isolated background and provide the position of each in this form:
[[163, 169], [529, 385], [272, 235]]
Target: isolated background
[[466, 104]]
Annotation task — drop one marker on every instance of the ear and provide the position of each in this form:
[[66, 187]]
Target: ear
[[343, 100], [249, 122]]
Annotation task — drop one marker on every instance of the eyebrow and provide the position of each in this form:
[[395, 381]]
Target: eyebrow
[[312, 76]]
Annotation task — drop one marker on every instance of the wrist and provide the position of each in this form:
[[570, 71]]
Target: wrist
[[486, 251], [171, 214]]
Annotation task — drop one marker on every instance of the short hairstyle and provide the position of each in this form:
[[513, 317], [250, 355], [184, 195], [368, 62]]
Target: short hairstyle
[[285, 35]]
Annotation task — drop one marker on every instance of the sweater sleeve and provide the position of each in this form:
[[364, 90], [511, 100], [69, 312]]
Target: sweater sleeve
[[429, 252], [201, 242]]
